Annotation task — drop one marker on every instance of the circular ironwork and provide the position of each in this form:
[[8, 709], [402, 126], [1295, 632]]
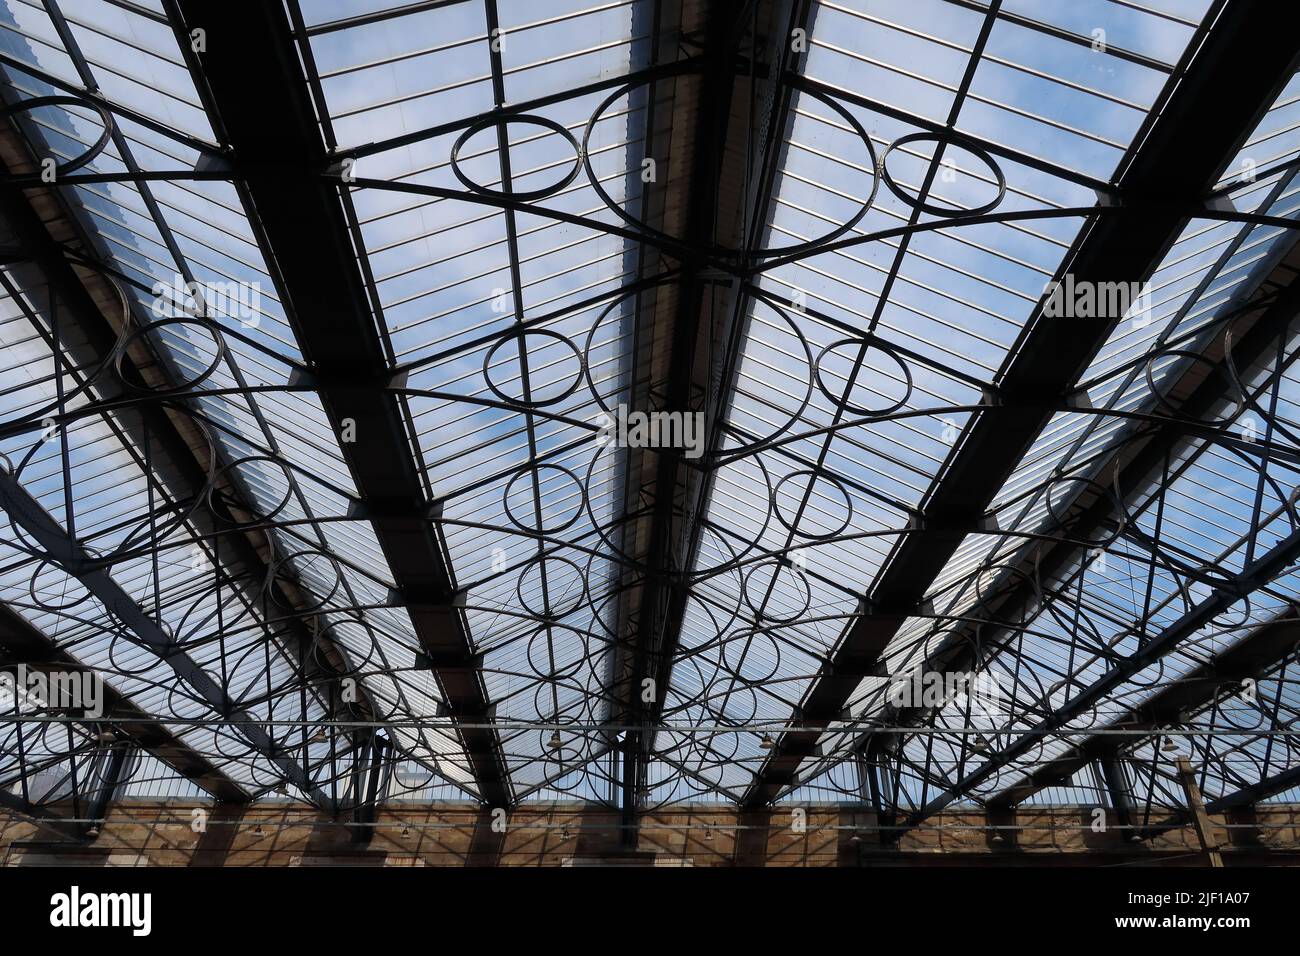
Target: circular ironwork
[[794, 525], [587, 363], [1235, 391], [81, 594], [553, 660], [186, 384], [791, 417], [230, 472], [523, 119], [542, 566], [795, 248], [97, 147], [775, 567], [945, 139], [739, 651], [1064, 525], [521, 336], [842, 401], [542, 527], [294, 562]]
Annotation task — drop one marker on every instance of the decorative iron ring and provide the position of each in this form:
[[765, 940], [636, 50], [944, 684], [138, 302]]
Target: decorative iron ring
[[228, 471], [519, 335], [742, 448], [624, 294], [95, 149], [551, 609], [275, 571], [713, 249], [763, 612], [1234, 385], [953, 139], [525, 469], [527, 120], [814, 476], [857, 409], [1120, 508], [219, 355]]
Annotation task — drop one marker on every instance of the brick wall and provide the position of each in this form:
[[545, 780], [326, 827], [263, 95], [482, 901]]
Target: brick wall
[[162, 834]]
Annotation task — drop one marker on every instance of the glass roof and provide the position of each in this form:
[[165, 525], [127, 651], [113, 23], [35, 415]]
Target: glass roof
[[826, 246]]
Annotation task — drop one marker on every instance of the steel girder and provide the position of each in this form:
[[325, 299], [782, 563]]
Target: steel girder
[[86, 802], [268, 119], [663, 598], [680, 493], [1245, 796], [26, 512], [1263, 646], [1254, 576], [182, 473], [1273, 320], [25, 644], [49, 820], [1165, 178], [1156, 448]]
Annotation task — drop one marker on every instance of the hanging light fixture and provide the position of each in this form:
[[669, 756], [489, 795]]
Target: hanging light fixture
[[1168, 744], [555, 741], [767, 743]]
